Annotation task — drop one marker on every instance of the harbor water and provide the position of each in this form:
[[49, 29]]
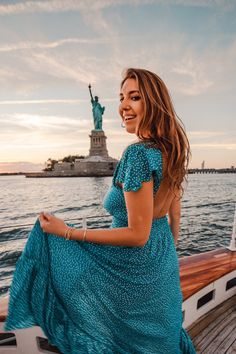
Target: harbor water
[[208, 208]]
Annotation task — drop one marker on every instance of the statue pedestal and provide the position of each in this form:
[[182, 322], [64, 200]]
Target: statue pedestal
[[98, 146]]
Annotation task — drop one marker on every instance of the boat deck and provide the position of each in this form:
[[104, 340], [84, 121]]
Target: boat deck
[[216, 331]]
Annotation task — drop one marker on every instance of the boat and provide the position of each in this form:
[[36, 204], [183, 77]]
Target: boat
[[208, 283]]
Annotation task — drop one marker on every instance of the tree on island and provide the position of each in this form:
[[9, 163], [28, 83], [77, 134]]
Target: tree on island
[[50, 164], [72, 158]]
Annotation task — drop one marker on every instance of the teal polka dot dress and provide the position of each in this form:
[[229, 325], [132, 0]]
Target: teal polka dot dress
[[90, 298]]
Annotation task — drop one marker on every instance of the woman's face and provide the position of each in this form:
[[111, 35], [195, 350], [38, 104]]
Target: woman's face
[[131, 105]]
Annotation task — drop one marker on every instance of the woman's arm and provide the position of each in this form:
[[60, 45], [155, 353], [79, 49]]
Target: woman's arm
[[139, 206], [174, 217]]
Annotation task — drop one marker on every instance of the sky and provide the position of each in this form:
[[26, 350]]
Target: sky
[[51, 50]]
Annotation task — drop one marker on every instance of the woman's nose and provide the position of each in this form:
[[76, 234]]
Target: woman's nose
[[124, 105]]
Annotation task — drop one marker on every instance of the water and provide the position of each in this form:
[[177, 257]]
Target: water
[[207, 211]]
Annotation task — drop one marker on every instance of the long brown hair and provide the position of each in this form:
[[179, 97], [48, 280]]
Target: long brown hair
[[164, 127]]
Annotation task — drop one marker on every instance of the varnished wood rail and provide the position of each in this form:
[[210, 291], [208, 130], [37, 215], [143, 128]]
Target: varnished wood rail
[[197, 271]]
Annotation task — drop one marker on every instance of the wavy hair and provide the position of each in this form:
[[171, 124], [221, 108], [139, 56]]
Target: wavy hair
[[165, 129]]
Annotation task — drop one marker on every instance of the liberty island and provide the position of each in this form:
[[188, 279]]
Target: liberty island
[[97, 163]]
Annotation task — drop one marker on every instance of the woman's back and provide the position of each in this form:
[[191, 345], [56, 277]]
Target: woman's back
[[162, 200]]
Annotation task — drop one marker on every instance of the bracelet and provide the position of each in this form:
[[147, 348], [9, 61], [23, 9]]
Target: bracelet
[[84, 235], [68, 233]]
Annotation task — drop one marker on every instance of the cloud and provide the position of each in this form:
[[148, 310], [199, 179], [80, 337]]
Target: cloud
[[43, 101], [195, 73], [81, 5], [57, 67], [30, 133], [188, 71], [17, 78], [212, 139], [185, 71], [43, 122], [52, 101], [51, 44], [193, 77], [35, 70]]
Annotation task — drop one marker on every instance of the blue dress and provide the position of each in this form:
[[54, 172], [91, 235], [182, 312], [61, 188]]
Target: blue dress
[[90, 298]]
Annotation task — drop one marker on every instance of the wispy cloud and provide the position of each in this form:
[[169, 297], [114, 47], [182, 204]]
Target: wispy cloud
[[44, 101], [188, 71], [51, 44], [81, 5], [59, 68], [53, 101], [43, 122], [194, 79], [212, 139], [36, 69], [33, 135]]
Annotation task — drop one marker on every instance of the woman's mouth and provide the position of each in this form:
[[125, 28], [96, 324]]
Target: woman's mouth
[[126, 118]]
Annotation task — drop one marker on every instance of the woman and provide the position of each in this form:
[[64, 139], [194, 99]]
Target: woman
[[116, 290]]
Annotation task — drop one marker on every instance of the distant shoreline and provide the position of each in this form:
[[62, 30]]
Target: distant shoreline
[[12, 173]]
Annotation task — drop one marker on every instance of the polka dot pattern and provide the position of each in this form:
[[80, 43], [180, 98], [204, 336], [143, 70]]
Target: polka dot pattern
[[95, 299], [138, 163]]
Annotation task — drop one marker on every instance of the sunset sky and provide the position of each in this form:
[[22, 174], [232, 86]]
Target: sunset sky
[[51, 50]]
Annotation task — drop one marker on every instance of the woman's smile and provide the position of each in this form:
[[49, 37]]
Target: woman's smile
[[129, 117]]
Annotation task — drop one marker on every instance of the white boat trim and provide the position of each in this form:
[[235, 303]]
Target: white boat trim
[[192, 313]]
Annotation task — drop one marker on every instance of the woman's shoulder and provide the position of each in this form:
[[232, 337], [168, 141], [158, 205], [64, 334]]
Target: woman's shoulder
[[138, 162], [149, 149]]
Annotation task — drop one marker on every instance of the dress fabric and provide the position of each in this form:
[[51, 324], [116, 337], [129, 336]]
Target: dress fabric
[[90, 298]]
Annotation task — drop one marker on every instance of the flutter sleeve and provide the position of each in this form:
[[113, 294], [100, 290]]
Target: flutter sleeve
[[138, 164]]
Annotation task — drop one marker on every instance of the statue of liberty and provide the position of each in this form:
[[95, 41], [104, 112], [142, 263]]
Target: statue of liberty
[[98, 111]]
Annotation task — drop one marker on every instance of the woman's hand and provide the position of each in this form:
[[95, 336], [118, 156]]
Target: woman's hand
[[52, 225]]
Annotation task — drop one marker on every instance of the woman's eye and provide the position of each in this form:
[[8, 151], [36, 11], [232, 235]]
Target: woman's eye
[[135, 98]]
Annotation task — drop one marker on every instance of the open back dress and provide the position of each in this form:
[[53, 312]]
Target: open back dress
[[90, 298]]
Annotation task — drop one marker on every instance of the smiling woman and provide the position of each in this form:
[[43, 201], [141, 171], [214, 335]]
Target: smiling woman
[[115, 290], [147, 109]]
